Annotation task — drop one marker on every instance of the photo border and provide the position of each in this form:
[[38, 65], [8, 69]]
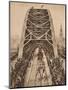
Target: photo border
[[65, 43]]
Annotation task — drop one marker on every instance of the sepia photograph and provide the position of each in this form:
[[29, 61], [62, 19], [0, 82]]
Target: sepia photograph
[[37, 50]]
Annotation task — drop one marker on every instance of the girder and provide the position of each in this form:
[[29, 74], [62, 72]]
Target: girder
[[39, 25]]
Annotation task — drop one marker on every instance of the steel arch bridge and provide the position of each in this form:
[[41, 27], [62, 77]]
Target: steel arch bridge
[[38, 32]]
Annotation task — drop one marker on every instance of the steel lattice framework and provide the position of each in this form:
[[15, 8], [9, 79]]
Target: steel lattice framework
[[38, 27]]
